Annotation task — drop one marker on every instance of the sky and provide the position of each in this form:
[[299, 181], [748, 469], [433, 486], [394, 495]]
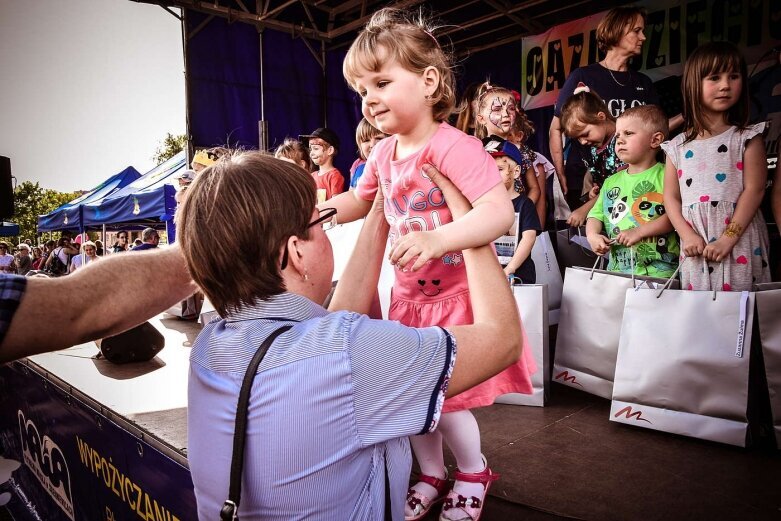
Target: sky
[[87, 88]]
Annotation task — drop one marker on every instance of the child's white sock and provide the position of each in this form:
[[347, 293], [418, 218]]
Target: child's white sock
[[462, 434]]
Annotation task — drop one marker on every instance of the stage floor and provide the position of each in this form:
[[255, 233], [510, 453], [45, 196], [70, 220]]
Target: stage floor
[[566, 460]]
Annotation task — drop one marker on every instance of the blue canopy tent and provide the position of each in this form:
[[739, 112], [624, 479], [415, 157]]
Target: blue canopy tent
[[69, 215], [147, 201]]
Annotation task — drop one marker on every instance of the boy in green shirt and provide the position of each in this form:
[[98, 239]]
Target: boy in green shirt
[[630, 207]]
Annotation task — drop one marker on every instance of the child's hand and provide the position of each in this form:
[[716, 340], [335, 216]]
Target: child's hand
[[593, 192], [629, 237], [599, 243], [423, 245], [719, 249], [692, 245], [578, 217]]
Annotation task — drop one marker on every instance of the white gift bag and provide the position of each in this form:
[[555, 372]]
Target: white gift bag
[[592, 307], [547, 268], [683, 363], [768, 299], [532, 305]]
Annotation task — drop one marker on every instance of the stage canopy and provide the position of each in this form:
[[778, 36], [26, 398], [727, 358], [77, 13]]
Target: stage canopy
[[69, 215], [148, 201]]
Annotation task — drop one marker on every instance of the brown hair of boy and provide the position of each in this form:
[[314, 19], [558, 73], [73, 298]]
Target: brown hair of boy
[[651, 116]]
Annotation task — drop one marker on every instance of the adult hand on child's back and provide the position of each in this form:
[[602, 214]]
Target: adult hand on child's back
[[429, 245], [455, 200]]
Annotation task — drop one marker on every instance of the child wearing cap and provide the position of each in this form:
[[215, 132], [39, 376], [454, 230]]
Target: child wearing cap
[[323, 146], [520, 267]]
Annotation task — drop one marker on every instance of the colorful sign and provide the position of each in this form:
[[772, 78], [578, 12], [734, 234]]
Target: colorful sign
[[68, 461], [674, 28]]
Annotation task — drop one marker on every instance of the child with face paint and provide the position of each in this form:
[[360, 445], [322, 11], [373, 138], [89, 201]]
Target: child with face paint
[[407, 88], [497, 113]]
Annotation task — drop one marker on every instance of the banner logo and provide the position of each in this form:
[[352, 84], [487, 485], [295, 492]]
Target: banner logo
[[629, 415], [47, 462], [565, 376]]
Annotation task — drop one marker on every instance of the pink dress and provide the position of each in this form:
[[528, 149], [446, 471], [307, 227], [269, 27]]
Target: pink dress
[[437, 294]]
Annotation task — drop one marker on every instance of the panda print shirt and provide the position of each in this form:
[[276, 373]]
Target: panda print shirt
[[627, 201]]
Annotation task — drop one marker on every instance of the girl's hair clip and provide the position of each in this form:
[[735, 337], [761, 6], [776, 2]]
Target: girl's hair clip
[[582, 87], [516, 95]]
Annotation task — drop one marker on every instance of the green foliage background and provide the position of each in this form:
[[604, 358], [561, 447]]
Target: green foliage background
[[31, 201]]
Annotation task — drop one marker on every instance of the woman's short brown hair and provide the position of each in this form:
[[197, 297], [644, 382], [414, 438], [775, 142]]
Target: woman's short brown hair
[[234, 221], [393, 34], [614, 25]]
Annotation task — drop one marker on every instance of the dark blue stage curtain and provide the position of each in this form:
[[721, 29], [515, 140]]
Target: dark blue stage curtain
[[224, 92]]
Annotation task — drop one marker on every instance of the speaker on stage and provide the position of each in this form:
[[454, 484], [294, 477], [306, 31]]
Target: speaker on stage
[[6, 188], [140, 344]]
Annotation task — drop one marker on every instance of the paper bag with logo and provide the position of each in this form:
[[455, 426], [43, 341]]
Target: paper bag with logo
[[768, 299], [683, 363], [533, 306], [592, 306], [547, 268]]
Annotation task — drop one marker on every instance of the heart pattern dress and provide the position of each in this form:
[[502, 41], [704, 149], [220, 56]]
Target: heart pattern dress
[[710, 175]]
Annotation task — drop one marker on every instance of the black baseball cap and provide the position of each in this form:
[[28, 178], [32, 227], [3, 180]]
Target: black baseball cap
[[326, 134]]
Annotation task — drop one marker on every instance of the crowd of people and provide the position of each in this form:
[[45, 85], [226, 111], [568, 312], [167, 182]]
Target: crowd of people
[[67, 254], [693, 209], [340, 398]]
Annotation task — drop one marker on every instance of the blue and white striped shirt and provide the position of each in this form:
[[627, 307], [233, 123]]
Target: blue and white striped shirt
[[331, 406]]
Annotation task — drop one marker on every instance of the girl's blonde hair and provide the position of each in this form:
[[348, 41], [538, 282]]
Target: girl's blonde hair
[[707, 59], [483, 93], [364, 132], [295, 150], [582, 109], [393, 34]]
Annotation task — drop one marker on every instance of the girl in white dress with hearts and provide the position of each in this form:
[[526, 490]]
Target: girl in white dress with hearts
[[715, 176]]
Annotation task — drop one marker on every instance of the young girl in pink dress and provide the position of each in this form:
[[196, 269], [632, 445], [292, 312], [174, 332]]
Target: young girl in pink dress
[[406, 85], [715, 176]]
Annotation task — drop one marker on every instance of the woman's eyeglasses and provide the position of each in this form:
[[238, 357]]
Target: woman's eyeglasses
[[327, 220]]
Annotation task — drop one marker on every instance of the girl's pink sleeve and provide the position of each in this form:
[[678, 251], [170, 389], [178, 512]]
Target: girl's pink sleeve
[[369, 181], [470, 167]]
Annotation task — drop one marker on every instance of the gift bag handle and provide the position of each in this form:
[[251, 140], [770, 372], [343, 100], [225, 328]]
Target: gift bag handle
[[632, 261]]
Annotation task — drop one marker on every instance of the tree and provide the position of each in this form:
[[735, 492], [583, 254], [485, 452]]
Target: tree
[[30, 201], [170, 146]]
